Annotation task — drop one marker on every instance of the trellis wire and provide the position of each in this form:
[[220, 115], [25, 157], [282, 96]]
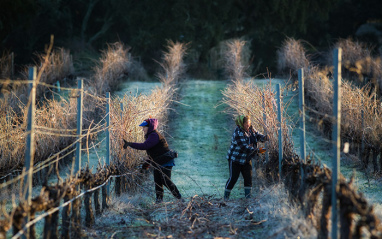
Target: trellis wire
[[53, 210]]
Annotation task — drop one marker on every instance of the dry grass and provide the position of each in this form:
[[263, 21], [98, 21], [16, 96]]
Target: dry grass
[[113, 66], [60, 66], [291, 56], [172, 64], [12, 142], [137, 108], [268, 215], [319, 92], [235, 65], [352, 51], [248, 99], [125, 123], [359, 64], [59, 117]]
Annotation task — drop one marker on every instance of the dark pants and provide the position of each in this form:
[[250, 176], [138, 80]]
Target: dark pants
[[234, 172], [162, 176]]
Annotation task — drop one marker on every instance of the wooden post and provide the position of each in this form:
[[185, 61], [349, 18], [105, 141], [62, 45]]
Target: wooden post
[[77, 167], [97, 205], [123, 179], [362, 150], [302, 113], [265, 129], [301, 104], [108, 137], [280, 128], [89, 220], [336, 138], [32, 228], [66, 217], [118, 186], [104, 198], [76, 217], [30, 147], [58, 86], [51, 221], [325, 214], [121, 105]]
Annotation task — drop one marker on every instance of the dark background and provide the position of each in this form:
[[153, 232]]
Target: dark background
[[146, 25]]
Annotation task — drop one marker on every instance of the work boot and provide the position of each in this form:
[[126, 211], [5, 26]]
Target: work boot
[[179, 197], [159, 200], [226, 194], [247, 192]]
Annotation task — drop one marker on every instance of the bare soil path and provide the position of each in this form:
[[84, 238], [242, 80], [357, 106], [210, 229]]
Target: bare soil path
[[201, 134]]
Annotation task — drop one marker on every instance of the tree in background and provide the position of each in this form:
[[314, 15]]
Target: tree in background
[[146, 25]]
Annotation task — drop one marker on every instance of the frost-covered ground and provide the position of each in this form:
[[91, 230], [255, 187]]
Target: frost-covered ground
[[201, 133]]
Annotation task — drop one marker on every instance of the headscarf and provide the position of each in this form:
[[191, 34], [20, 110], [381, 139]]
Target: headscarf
[[240, 121]]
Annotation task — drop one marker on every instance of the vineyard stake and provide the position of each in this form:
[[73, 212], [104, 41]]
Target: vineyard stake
[[363, 128], [280, 129], [108, 136], [336, 138], [121, 105], [30, 148], [302, 113], [79, 126], [301, 105], [265, 129]]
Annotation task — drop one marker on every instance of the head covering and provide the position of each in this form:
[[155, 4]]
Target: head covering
[[145, 123], [240, 121], [153, 124]]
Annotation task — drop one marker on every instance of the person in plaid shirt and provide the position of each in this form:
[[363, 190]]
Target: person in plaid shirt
[[243, 149]]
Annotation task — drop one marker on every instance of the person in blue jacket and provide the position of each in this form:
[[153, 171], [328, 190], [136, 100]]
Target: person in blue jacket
[[156, 146]]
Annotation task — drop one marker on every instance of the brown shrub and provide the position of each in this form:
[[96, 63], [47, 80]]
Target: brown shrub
[[292, 56], [113, 66], [172, 63], [319, 93], [245, 98], [235, 65]]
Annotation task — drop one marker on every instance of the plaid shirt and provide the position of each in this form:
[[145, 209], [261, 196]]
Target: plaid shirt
[[240, 148]]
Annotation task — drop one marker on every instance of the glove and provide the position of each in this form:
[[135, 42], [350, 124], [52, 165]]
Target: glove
[[145, 166], [262, 150], [126, 144]]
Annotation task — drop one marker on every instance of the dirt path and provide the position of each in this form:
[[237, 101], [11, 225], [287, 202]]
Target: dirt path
[[201, 135]]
